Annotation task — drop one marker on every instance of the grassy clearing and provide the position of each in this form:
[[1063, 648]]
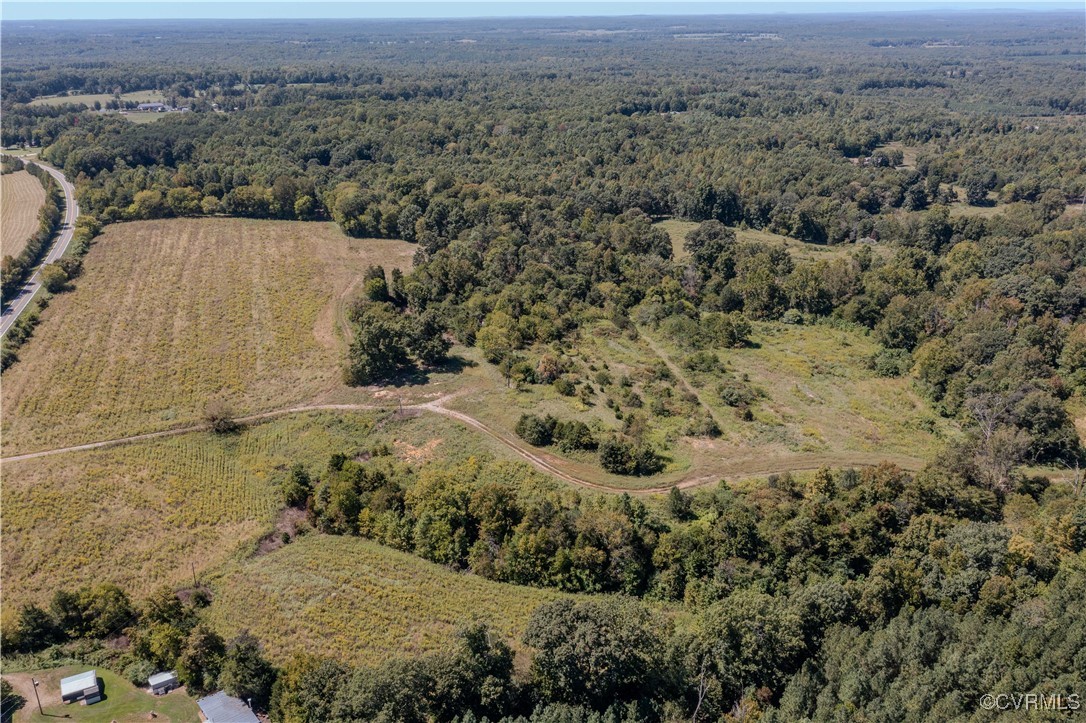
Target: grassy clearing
[[122, 702], [908, 153], [818, 398], [360, 602], [677, 230], [87, 99], [21, 197], [169, 314], [819, 405], [139, 515]]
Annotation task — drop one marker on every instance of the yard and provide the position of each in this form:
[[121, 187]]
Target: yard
[[122, 702]]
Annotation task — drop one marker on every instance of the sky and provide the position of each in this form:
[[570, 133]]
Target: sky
[[165, 9]]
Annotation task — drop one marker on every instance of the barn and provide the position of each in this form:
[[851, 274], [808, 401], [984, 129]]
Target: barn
[[83, 687], [222, 708], [162, 683]]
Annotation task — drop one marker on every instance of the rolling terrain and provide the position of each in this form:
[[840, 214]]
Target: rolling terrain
[[171, 314], [360, 602]]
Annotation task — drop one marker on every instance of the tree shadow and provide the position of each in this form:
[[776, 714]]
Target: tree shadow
[[421, 376]]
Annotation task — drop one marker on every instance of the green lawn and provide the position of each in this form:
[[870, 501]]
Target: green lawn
[[123, 702]]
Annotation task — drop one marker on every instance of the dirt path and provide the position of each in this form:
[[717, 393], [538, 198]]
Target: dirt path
[[677, 372], [24, 687], [733, 469]]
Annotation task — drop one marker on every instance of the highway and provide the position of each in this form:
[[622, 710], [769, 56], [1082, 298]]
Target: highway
[[18, 303]]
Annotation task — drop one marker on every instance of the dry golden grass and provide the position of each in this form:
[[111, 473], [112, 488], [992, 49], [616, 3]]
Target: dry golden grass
[[139, 515], [360, 602], [169, 314], [21, 197]]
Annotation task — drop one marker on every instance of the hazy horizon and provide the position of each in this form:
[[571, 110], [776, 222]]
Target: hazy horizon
[[245, 10]]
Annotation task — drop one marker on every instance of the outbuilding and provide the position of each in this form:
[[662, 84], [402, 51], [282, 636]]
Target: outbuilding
[[83, 687], [152, 107], [162, 683], [222, 708]]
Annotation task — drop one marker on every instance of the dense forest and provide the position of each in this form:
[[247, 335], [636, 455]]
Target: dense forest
[[529, 161]]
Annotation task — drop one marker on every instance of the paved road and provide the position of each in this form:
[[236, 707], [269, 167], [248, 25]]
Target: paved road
[[17, 305]]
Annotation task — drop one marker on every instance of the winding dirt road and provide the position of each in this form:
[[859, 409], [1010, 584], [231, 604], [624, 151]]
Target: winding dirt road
[[734, 469]]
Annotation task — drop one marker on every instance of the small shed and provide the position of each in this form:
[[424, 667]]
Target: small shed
[[162, 683], [222, 708], [83, 687]]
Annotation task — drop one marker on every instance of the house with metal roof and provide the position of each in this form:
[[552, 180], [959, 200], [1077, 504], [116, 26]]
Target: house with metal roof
[[83, 687], [162, 683], [222, 708]]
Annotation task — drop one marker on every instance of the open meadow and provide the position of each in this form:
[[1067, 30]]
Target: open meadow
[[140, 515], [677, 229], [360, 602], [21, 196], [171, 314], [818, 405]]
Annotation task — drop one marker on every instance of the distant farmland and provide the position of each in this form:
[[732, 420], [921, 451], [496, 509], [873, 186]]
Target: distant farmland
[[170, 314], [21, 196], [87, 99]]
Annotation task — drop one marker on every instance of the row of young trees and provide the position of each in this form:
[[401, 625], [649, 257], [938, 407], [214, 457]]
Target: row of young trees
[[14, 270], [919, 577]]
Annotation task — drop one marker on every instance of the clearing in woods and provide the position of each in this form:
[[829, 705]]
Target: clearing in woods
[[817, 404], [87, 99], [360, 602], [122, 702], [677, 230], [21, 197], [170, 314]]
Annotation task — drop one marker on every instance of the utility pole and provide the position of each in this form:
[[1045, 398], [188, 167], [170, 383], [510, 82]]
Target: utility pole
[[40, 711], [193, 564]]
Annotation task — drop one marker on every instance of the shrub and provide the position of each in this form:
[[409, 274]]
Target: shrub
[[536, 431], [565, 387], [619, 457], [702, 361], [573, 435], [890, 362], [735, 393], [53, 278], [220, 417], [138, 672]]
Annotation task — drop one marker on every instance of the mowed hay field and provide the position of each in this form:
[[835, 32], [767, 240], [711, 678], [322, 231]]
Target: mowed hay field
[[21, 197], [360, 602], [170, 314], [140, 515]]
